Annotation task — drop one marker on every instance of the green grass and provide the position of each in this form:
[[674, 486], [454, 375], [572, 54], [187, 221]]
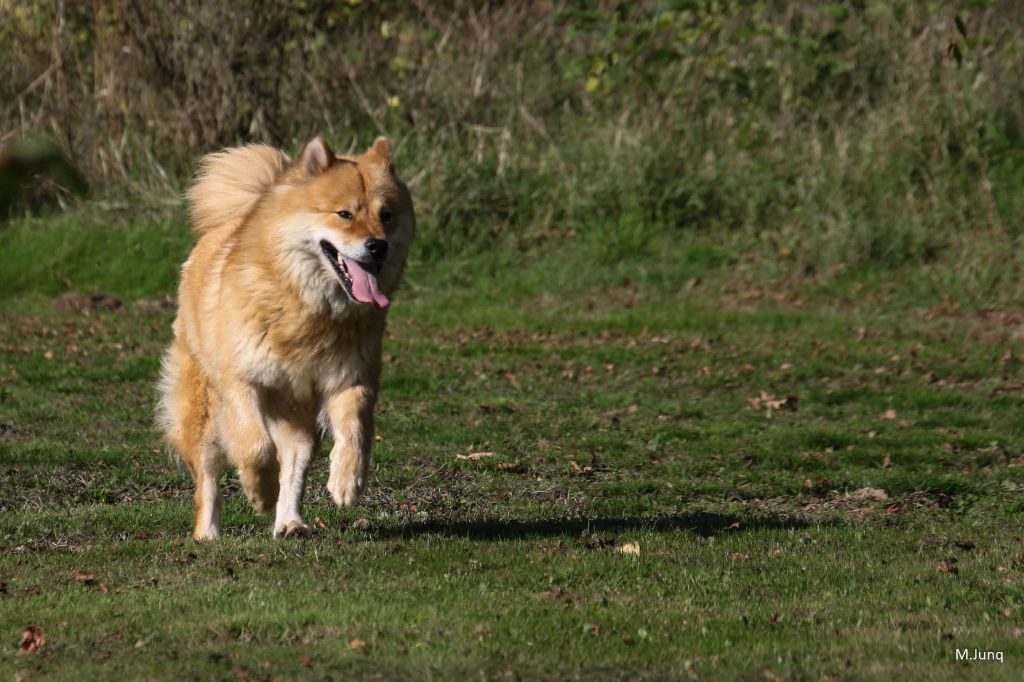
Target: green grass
[[615, 388]]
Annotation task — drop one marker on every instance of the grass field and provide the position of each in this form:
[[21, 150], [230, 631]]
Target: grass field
[[701, 468]]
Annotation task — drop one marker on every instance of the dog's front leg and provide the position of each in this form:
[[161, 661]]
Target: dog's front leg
[[351, 415], [295, 444]]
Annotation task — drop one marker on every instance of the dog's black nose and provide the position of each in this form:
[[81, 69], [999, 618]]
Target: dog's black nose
[[378, 248]]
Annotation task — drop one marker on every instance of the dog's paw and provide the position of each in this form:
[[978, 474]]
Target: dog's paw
[[292, 529], [345, 490], [208, 534]]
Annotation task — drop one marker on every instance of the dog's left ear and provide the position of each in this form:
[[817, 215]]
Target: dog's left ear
[[381, 148], [316, 157]]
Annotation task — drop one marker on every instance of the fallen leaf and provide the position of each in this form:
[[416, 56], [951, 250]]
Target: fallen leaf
[[948, 566], [510, 467], [474, 456], [770, 403], [586, 470], [356, 643], [629, 548], [735, 525], [772, 677], [886, 461], [889, 414], [869, 494], [32, 639], [360, 524], [86, 577], [552, 547]]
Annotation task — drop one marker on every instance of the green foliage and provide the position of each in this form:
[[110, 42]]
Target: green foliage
[[841, 134]]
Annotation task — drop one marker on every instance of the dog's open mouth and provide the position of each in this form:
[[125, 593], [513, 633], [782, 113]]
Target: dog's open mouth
[[359, 280]]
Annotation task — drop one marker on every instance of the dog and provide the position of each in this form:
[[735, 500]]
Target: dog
[[281, 314]]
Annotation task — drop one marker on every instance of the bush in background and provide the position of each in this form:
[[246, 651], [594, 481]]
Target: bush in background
[[832, 133]]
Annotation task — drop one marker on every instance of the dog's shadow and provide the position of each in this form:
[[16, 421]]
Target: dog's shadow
[[703, 524]]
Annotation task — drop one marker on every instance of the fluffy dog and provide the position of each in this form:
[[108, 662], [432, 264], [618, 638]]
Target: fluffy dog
[[281, 313]]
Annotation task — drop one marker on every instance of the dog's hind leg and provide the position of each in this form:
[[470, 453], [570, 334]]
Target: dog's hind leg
[[184, 414], [242, 431], [206, 474]]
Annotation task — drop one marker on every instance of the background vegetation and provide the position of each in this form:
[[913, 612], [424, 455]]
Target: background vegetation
[[829, 133]]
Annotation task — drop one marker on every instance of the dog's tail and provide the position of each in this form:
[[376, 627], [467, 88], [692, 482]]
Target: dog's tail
[[230, 182]]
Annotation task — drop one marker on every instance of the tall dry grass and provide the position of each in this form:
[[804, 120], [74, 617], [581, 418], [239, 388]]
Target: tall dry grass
[[834, 133]]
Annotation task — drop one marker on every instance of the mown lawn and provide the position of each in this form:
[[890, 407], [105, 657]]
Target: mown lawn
[[693, 473]]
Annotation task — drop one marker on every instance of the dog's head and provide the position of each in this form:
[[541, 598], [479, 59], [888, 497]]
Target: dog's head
[[353, 217]]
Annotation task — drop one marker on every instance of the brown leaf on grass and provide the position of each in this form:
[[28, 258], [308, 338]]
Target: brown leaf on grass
[[889, 414], [551, 548], [587, 470], [948, 566], [735, 525], [769, 403], [772, 677], [893, 508], [886, 461], [868, 495], [474, 456], [355, 644], [632, 548], [85, 577], [32, 639], [319, 523], [510, 467]]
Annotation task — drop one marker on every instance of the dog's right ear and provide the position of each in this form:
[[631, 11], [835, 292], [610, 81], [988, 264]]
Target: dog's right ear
[[316, 157]]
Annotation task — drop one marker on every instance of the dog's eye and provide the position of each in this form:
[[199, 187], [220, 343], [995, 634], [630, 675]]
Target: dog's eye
[[344, 215], [385, 216]]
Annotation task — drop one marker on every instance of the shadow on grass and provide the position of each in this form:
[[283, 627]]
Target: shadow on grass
[[704, 524]]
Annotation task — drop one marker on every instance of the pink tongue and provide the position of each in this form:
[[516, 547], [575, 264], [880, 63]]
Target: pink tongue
[[364, 285]]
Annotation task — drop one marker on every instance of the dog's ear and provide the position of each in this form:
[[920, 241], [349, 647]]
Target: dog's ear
[[316, 157], [381, 148]]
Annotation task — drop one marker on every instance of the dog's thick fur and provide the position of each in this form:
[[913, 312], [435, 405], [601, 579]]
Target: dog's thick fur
[[273, 343]]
